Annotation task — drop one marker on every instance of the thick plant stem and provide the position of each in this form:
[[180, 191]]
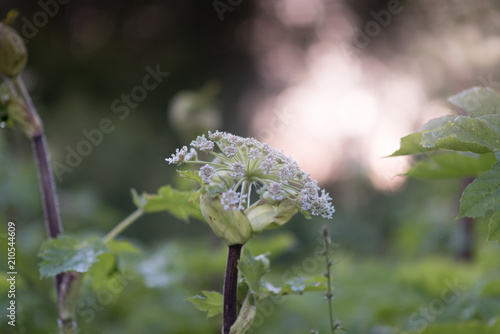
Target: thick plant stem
[[50, 203], [47, 186], [49, 198], [231, 287]]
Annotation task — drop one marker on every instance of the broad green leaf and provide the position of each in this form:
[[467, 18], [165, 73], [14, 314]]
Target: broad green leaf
[[478, 135], [181, 204], [296, 287], [110, 266], [477, 101], [211, 302], [482, 195], [494, 227], [411, 144], [452, 164], [462, 133], [67, 253], [253, 268]]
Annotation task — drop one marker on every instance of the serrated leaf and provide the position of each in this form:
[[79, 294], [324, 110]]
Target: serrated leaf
[[482, 195], [182, 204], [477, 101], [494, 227], [478, 135], [253, 268], [210, 303], [67, 253], [452, 164], [297, 287]]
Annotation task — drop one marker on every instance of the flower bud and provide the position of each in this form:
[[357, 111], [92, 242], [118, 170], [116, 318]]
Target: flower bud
[[232, 226], [13, 54]]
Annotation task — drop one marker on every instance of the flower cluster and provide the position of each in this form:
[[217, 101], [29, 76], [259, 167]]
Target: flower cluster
[[242, 165]]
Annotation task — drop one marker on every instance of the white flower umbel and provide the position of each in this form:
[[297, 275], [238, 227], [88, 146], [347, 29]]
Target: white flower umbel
[[258, 186]]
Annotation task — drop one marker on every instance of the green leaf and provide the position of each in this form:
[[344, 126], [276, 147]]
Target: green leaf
[[482, 195], [478, 135], [410, 144], [253, 268], [462, 133], [67, 253], [109, 266], [452, 164], [494, 227], [102, 271], [181, 204], [296, 287], [211, 303], [477, 101]]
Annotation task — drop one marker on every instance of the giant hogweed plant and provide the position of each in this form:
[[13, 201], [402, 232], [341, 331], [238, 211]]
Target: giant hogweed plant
[[246, 187], [464, 145]]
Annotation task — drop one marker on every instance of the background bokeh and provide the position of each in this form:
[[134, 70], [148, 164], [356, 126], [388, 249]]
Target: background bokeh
[[334, 84]]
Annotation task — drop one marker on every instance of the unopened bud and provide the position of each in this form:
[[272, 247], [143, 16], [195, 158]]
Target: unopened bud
[[13, 53]]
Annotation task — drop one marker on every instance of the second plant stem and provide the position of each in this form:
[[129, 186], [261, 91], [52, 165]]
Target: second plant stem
[[231, 288], [53, 225]]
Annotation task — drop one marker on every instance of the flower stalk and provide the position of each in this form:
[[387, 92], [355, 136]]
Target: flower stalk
[[231, 287]]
